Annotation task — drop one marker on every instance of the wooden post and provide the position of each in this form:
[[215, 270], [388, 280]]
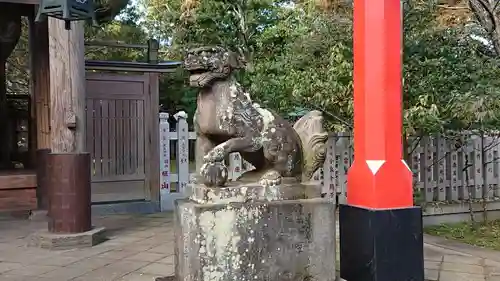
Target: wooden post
[[69, 164], [153, 192], [40, 91], [39, 56], [154, 166], [67, 86]]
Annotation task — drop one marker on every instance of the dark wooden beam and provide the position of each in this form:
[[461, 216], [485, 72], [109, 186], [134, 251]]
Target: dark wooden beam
[[125, 66], [39, 62], [7, 8], [28, 2], [38, 33]]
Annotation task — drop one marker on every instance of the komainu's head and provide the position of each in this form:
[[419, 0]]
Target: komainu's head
[[207, 64]]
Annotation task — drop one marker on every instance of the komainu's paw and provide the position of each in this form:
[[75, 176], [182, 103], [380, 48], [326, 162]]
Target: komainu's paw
[[271, 178], [215, 155], [214, 174]]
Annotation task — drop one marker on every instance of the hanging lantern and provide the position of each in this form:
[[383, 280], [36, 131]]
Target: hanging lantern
[[67, 10]]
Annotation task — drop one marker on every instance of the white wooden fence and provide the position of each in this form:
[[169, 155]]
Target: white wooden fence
[[174, 178], [445, 170]]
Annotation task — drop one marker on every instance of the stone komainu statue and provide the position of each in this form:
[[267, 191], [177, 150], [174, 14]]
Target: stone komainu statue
[[226, 121]]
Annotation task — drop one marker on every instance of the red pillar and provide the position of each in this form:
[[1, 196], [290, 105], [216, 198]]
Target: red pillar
[[379, 178], [381, 231]]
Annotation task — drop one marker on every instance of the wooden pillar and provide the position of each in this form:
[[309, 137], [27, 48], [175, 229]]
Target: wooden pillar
[[69, 187], [154, 166], [380, 230], [40, 93], [67, 87], [39, 57], [153, 193]]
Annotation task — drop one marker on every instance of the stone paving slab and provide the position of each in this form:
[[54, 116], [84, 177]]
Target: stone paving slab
[[140, 248]]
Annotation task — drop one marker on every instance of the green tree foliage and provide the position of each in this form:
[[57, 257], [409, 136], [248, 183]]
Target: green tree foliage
[[237, 25], [124, 29], [303, 62], [17, 70], [176, 95], [301, 58], [449, 82]]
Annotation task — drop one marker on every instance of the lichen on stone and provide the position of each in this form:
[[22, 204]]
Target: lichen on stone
[[264, 139]]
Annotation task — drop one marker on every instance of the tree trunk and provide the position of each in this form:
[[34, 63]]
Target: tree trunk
[[485, 13], [495, 38], [467, 165], [486, 185], [406, 150]]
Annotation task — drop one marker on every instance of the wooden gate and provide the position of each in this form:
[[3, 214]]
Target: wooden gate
[[120, 125]]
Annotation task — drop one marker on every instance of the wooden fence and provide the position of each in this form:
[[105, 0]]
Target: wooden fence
[[176, 173], [444, 170]]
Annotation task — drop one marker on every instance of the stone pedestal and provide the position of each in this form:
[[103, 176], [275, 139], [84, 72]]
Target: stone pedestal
[[55, 241], [224, 237]]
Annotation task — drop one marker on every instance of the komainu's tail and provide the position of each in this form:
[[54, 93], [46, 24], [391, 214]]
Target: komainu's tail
[[313, 137]]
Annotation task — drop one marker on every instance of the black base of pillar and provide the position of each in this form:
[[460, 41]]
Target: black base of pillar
[[381, 245]]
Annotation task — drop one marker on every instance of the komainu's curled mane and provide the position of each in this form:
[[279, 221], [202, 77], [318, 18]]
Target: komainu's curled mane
[[226, 121]]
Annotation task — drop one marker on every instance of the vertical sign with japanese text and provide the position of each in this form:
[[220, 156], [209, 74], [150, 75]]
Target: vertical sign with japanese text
[[164, 159], [328, 178], [235, 163], [182, 151]]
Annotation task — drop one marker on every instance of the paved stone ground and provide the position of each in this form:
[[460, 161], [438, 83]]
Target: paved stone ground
[[141, 248], [447, 260]]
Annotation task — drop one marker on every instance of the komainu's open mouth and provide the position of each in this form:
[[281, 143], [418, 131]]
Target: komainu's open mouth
[[197, 71], [193, 66]]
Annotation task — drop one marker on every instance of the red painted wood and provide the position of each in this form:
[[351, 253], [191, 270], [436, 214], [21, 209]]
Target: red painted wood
[[378, 178]]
